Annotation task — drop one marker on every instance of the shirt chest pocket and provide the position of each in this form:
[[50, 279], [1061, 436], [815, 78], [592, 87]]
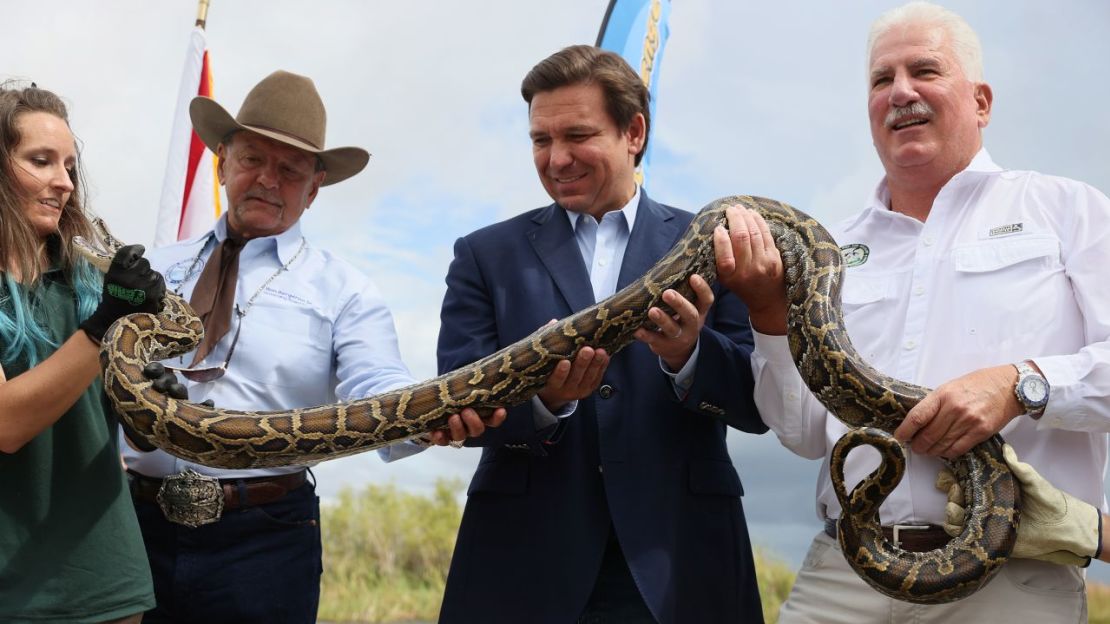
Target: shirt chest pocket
[[286, 346], [862, 289], [1007, 288], [866, 300]]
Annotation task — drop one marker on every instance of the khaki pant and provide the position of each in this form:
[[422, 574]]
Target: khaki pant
[[828, 591]]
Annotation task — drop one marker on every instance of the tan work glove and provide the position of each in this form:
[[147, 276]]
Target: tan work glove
[[1055, 526]]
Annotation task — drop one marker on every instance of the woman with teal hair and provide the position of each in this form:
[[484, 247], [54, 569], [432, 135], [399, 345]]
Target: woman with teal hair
[[70, 547]]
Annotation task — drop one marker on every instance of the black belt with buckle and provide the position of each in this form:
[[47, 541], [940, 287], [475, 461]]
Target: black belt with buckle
[[192, 499], [911, 537]]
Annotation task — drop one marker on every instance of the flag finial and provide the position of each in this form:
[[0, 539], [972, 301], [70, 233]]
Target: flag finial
[[202, 12]]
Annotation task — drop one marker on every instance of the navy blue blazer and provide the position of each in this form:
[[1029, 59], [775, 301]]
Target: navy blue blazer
[[632, 454]]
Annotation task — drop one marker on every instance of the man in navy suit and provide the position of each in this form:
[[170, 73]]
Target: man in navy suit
[[611, 496]]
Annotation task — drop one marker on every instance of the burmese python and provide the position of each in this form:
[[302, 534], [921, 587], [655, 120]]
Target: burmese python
[[859, 395]]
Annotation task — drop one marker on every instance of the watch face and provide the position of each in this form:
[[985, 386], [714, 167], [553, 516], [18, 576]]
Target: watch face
[[1035, 390]]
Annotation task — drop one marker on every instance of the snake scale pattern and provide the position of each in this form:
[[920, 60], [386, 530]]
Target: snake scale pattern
[[856, 393]]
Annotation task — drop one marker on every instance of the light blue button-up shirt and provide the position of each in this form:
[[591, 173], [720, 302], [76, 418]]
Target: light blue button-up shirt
[[603, 245], [316, 334]]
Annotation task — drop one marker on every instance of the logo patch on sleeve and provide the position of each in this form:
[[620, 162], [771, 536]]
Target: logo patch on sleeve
[[855, 254], [1004, 230]]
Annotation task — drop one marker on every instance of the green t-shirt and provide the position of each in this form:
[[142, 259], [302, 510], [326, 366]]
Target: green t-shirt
[[70, 546]]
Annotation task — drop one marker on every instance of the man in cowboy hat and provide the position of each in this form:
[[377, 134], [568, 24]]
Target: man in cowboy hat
[[286, 325]]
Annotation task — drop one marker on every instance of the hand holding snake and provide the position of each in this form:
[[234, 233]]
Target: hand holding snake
[[961, 413], [749, 264], [575, 379], [466, 424], [675, 335]]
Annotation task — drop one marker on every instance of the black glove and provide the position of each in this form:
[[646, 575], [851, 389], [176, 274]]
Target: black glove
[[165, 381], [130, 286]]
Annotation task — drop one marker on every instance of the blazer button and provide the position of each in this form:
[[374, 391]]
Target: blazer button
[[605, 391]]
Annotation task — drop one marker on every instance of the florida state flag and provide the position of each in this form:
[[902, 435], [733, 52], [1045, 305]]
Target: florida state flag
[[190, 194]]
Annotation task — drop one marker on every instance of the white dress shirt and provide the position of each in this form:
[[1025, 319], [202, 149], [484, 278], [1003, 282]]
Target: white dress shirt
[[316, 334], [1008, 266]]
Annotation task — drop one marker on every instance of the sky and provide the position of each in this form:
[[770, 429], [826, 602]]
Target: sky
[[761, 98]]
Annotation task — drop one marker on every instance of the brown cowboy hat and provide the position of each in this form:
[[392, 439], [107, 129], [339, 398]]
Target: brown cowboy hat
[[286, 108]]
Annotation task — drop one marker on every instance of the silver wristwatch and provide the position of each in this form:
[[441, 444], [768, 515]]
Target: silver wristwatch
[[1031, 390]]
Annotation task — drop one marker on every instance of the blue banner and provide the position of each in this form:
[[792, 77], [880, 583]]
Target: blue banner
[[638, 30]]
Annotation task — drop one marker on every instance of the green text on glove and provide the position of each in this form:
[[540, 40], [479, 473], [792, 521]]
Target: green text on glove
[[134, 296]]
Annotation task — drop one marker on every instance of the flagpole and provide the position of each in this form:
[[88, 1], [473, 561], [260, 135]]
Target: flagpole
[[202, 12], [636, 30], [605, 22]]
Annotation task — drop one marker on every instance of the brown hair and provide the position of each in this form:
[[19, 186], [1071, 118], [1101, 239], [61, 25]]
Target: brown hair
[[18, 240], [624, 91]]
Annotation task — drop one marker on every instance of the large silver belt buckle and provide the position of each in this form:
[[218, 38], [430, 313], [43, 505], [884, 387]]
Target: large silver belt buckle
[[191, 499], [898, 528]]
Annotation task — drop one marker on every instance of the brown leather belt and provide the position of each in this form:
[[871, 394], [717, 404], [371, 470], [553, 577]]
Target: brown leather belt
[[236, 492], [911, 537]]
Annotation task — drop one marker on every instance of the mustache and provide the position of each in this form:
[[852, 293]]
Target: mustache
[[266, 197], [914, 109]]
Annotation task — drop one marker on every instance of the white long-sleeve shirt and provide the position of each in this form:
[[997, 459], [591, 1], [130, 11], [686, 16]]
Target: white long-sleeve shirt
[[1008, 266]]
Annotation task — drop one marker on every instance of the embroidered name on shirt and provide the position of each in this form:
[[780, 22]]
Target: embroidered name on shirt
[[855, 254], [1004, 230], [287, 296]]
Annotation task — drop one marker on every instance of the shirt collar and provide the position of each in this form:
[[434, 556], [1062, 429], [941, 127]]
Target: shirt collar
[[286, 244], [982, 163], [628, 210]]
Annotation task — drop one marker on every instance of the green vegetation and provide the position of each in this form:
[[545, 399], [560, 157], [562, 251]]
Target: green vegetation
[[1098, 602], [775, 577], [386, 554]]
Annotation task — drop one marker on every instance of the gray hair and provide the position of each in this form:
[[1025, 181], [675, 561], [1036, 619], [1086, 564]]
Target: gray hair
[[965, 43]]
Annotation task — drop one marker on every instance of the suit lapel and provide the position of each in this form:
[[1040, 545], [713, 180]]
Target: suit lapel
[[554, 243], [653, 234]]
